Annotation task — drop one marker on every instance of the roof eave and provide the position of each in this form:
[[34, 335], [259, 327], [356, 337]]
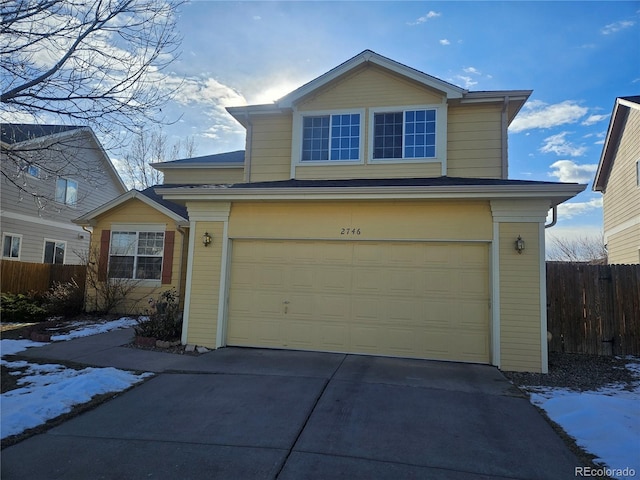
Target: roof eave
[[166, 166], [620, 111]]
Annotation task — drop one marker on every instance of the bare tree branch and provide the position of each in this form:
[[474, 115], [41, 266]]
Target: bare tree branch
[[583, 249]]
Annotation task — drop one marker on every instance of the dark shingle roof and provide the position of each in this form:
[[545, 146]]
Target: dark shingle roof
[[11, 133], [174, 207], [218, 158]]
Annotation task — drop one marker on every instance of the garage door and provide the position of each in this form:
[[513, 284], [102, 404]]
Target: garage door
[[408, 299]]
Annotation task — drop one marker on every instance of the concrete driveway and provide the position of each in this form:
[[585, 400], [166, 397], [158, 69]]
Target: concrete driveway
[[265, 414]]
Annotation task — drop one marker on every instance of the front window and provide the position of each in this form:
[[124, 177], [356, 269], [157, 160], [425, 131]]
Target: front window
[[405, 134], [11, 246], [54, 251], [66, 191], [136, 255], [331, 137]]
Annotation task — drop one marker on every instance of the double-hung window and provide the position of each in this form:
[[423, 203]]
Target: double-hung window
[[136, 255], [331, 137], [66, 191], [11, 246], [408, 134]]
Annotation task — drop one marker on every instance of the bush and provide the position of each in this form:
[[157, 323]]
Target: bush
[[164, 321], [65, 299], [22, 308]]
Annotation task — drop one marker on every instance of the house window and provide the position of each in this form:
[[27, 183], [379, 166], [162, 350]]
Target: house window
[[34, 171], [54, 251], [11, 246], [405, 134], [136, 255], [331, 137], [66, 191]]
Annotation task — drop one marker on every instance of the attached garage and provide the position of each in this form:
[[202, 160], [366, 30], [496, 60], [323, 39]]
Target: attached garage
[[423, 299]]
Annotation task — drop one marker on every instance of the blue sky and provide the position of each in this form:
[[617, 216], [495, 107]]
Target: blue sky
[[577, 57]]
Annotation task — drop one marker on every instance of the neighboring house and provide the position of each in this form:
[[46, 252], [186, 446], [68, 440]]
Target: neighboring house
[[50, 175], [373, 215], [618, 178]]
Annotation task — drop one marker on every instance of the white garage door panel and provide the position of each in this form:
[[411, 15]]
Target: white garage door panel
[[424, 300]]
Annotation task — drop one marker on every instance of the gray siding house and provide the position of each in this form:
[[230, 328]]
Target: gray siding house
[[51, 174]]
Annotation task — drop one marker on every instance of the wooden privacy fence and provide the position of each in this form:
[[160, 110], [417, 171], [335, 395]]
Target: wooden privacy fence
[[23, 277], [593, 309]]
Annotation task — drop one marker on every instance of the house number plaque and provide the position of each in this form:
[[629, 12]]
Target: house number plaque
[[351, 231]]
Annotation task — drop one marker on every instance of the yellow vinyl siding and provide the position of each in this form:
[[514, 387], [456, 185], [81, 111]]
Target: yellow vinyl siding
[[270, 147], [138, 214], [474, 144], [622, 196], [520, 314], [406, 170], [205, 285], [204, 175], [369, 85], [436, 220]]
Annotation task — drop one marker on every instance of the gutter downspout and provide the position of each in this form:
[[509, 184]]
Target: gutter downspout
[[86, 284], [504, 146], [247, 153], [181, 289], [554, 219]]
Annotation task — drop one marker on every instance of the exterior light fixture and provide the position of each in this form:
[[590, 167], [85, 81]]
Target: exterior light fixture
[[519, 244], [206, 239]]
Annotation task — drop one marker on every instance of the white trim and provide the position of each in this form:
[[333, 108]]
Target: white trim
[[358, 239], [138, 227], [221, 330], [41, 221], [187, 287], [544, 347], [441, 134], [9, 234], [54, 241], [297, 135], [495, 296]]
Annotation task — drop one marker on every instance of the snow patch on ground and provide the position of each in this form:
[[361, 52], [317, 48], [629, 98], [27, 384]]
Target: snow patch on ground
[[605, 422], [50, 390]]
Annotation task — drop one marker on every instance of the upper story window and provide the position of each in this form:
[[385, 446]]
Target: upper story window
[[34, 171], [407, 134], [11, 246], [136, 255], [66, 191], [331, 137]]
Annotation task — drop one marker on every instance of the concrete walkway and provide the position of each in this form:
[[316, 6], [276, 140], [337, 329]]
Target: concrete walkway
[[265, 414]]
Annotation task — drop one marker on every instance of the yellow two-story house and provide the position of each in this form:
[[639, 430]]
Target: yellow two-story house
[[371, 213]]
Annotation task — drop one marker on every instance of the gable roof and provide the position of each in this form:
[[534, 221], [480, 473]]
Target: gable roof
[[515, 99], [12, 133], [617, 123], [148, 196], [219, 160]]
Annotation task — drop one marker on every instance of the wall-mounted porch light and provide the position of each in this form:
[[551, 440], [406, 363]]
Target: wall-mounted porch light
[[206, 239], [519, 244]]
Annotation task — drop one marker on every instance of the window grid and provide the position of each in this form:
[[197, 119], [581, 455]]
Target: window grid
[[388, 135], [331, 137], [136, 255], [420, 134], [315, 138], [345, 137]]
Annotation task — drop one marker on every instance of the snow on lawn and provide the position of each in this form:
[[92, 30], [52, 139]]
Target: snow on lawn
[[605, 422], [48, 391]]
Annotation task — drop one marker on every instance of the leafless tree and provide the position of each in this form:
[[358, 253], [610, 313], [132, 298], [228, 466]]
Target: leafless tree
[[583, 249], [147, 148], [96, 63]]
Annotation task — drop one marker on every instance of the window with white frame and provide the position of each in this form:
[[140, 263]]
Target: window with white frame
[[331, 137], [66, 191], [54, 251], [405, 134], [136, 255], [11, 244]]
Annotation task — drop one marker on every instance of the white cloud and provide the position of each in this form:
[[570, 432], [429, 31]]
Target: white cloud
[[428, 16], [616, 26], [591, 119], [576, 209], [537, 114], [467, 81], [207, 91], [472, 70], [559, 145], [568, 171], [444, 41]]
